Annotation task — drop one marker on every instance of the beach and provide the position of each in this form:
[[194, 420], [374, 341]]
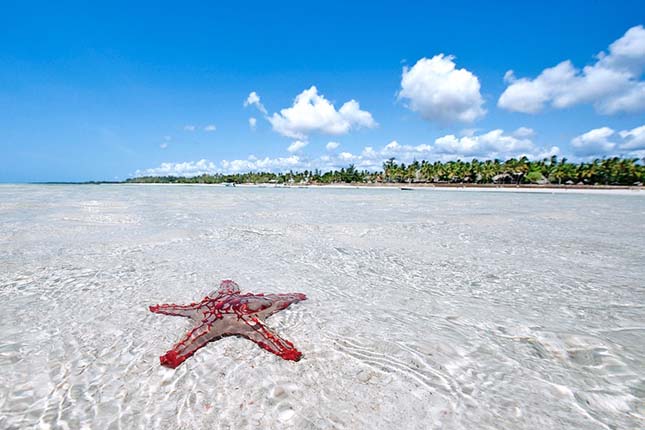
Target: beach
[[433, 308], [456, 187], [505, 188]]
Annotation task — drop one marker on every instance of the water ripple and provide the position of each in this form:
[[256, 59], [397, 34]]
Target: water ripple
[[429, 310]]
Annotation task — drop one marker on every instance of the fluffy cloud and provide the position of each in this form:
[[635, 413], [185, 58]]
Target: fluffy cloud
[[547, 153], [163, 145], [605, 141], [252, 123], [210, 127], [440, 92], [491, 145], [313, 113], [368, 152], [524, 132], [602, 141], [612, 84], [332, 146], [402, 151], [634, 138], [297, 146], [253, 164], [594, 142], [346, 156], [254, 100], [189, 127], [188, 168]]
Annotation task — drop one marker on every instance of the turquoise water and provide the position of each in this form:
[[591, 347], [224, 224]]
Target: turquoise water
[[426, 309]]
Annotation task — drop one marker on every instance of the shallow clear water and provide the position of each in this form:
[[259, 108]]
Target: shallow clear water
[[427, 309]]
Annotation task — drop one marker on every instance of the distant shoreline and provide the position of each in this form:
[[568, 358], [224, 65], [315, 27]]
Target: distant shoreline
[[527, 188], [522, 188], [487, 186]]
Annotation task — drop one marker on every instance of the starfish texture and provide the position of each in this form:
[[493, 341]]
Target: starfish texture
[[226, 312]]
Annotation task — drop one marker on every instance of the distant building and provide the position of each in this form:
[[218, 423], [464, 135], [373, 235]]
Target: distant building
[[503, 178]]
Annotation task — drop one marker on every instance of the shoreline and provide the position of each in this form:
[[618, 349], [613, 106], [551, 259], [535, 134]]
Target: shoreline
[[505, 188]]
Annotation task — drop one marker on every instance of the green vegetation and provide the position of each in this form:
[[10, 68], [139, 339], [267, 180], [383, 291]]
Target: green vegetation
[[609, 171]]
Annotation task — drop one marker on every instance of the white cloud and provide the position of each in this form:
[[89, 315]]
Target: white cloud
[[524, 132], [494, 144], [509, 76], [210, 127], [332, 145], [368, 152], [440, 92], [163, 145], [187, 168], [612, 84], [394, 148], [346, 156], [604, 141], [547, 153], [351, 112], [364, 161], [297, 146], [189, 127], [490, 145], [253, 164], [594, 142], [313, 113], [630, 101], [634, 138], [254, 100], [252, 123]]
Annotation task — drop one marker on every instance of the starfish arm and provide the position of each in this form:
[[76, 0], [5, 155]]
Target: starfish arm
[[280, 302], [257, 332], [188, 311], [186, 347]]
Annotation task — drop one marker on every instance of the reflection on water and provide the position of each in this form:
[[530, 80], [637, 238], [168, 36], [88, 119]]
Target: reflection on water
[[426, 309]]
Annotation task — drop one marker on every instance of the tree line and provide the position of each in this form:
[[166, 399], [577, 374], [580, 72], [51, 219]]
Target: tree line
[[607, 171]]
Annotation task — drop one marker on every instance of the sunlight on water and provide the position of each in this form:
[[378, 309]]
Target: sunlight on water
[[425, 309]]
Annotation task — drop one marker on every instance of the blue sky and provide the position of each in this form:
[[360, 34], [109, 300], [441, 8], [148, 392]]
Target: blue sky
[[107, 92]]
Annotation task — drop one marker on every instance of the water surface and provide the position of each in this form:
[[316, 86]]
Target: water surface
[[427, 309]]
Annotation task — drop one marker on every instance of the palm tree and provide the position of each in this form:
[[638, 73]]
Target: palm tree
[[388, 167]]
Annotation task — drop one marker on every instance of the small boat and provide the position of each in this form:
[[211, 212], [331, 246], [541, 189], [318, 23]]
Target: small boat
[[406, 189], [229, 184]]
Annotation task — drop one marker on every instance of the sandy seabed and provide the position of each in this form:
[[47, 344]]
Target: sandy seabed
[[451, 309]]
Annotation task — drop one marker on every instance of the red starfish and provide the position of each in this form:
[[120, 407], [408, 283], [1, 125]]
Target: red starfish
[[226, 312]]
